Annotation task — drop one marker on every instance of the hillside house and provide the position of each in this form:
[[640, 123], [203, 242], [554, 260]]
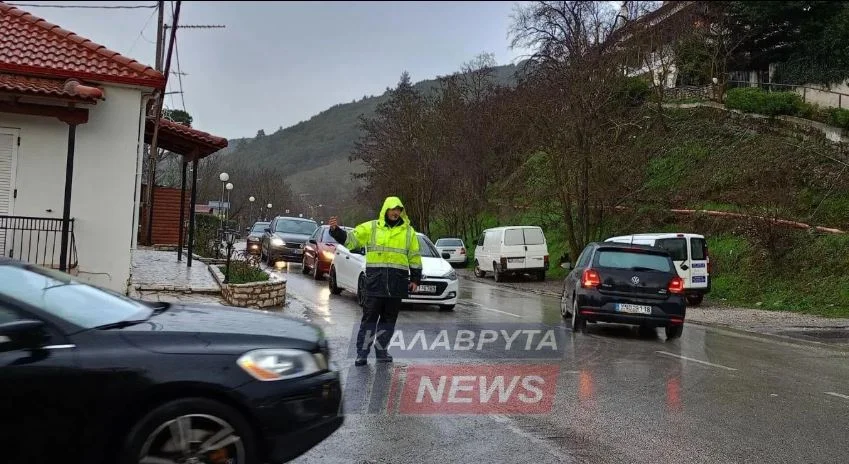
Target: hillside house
[[73, 127]]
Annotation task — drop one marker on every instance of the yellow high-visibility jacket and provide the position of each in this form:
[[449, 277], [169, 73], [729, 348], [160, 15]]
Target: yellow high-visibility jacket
[[393, 258]]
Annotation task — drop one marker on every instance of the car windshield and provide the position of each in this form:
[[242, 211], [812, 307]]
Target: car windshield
[[444, 242], [621, 259], [61, 296], [294, 226], [259, 227], [427, 249]]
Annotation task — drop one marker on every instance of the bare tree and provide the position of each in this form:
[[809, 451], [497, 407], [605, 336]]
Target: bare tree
[[578, 102]]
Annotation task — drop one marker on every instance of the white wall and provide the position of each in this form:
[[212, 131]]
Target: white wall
[[102, 201]]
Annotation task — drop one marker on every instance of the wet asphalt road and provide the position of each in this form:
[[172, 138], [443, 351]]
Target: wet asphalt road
[[711, 396]]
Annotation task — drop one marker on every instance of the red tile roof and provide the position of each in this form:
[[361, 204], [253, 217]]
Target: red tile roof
[[31, 45], [187, 131], [39, 86]]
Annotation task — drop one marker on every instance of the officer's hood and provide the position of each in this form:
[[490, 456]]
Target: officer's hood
[[389, 203]]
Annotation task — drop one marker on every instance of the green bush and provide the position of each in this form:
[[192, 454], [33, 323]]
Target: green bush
[[243, 273], [206, 231], [837, 117], [755, 100], [634, 91]]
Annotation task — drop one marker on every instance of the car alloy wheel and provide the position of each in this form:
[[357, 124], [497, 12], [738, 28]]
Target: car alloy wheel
[[304, 268], [193, 438], [316, 273]]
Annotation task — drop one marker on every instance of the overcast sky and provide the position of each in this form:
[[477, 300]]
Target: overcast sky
[[278, 63]]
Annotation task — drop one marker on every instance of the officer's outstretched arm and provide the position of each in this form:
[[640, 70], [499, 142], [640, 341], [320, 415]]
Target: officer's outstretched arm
[[359, 237]]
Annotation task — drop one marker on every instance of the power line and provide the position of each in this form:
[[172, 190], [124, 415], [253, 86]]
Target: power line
[[179, 72], [141, 32], [93, 7]]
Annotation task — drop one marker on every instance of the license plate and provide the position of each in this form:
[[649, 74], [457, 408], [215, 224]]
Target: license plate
[[515, 260], [635, 309], [699, 279], [426, 289]]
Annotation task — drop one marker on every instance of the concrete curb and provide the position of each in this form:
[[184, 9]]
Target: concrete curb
[[840, 347]]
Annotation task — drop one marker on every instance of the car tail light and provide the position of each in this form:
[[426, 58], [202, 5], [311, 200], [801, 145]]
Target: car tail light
[[676, 285], [503, 263], [462, 251], [546, 261], [590, 279]]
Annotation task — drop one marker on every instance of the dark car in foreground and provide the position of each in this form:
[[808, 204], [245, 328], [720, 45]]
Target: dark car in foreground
[[90, 376], [284, 239], [254, 240], [626, 284]]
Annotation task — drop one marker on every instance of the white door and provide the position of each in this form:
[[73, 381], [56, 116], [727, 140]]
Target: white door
[[8, 167]]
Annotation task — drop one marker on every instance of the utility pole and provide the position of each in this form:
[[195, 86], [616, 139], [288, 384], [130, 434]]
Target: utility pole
[[159, 101], [157, 109], [151, 168]]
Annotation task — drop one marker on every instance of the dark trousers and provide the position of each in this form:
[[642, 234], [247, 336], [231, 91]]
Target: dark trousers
[[378, 322]]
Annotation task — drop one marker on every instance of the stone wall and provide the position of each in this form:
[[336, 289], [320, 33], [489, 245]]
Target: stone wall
[[256, 294], [267, 294]]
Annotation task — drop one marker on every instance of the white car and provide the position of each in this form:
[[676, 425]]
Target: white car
[[439, 285], [455, 248]]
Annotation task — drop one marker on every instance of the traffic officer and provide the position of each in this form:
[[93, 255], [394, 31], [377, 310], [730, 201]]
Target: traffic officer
[[393, 268]]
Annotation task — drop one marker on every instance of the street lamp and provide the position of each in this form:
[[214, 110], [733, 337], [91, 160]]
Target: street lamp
[[269, 208], [250, 218], [223, 177], [229, 187], [229, 237]]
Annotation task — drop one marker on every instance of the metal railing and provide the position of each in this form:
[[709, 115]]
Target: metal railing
[[803, 90], [37, 241]]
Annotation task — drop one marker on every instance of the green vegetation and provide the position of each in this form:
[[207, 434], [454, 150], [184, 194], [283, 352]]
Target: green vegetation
[[242, 273], [756, 100], [811, 276]]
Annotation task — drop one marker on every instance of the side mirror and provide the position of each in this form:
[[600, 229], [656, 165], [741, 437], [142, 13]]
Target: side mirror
[[267, 231], [446, 256], [20, 327], [567, 266], [312, 240]]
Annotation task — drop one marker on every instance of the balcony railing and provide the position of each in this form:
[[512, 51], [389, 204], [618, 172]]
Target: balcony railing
[[37, 241]]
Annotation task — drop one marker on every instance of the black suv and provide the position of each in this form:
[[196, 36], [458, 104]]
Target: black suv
[[627, 284], [284, 239]]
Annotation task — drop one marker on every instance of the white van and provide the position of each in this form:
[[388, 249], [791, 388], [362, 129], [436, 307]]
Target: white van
[[690, 255], [511, 250]]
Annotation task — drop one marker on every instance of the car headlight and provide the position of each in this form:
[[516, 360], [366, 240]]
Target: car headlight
[[450, 275], [281, 364], [277, 241]]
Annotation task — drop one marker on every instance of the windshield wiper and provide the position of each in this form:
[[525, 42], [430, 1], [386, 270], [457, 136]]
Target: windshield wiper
[[120, 324]]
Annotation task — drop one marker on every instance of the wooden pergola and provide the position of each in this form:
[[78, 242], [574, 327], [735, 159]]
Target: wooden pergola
[[193, 145]]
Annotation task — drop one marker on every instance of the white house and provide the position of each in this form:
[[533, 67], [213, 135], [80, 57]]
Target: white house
[[72, 135]]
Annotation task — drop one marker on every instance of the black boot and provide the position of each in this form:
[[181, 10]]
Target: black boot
[[361, 360], [383, 356]]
